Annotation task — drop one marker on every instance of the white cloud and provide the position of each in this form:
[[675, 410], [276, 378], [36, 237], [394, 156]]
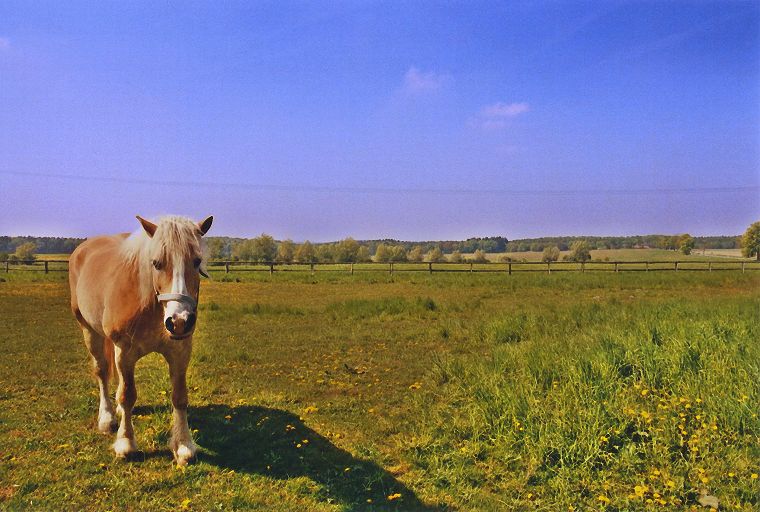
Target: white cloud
[[416, 81], [501, 110], [496, 115], [5, 43]]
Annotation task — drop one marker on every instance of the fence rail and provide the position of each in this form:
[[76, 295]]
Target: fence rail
[[47, 266]]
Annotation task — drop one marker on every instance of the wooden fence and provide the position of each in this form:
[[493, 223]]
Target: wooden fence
[[47, 266]]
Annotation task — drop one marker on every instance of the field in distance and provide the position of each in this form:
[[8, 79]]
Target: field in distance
[[630, 255], [596, 254], [332, 392]]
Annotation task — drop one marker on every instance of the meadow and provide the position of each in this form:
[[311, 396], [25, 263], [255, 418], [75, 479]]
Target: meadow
[[569, 391]]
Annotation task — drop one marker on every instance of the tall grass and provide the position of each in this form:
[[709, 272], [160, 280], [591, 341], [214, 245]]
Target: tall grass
[[613, 405]]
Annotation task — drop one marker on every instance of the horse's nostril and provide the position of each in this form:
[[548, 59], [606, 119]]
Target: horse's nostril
[[169, 323], [190, 322]]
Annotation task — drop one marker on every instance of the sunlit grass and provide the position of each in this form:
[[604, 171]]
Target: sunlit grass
[[414, 391]]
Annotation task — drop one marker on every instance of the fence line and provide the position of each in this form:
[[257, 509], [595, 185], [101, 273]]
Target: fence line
[[509, 268]]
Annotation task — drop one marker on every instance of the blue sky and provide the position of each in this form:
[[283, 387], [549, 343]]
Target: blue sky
[[411, 120]]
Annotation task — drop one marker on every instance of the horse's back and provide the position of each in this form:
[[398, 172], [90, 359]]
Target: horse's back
[[90, 266]]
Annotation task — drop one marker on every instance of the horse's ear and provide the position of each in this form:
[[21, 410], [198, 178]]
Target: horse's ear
[[206, 224], [148, 226]]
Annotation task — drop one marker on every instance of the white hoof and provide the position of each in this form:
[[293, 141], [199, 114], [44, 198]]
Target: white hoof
[[107, 423], [185, 453], [124, 446]]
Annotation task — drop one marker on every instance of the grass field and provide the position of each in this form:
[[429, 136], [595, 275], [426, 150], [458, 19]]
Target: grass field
[[570, 391]]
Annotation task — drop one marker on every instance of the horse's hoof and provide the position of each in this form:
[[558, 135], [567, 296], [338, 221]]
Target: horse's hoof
[[124, 447], [107, 424], [184, 455]]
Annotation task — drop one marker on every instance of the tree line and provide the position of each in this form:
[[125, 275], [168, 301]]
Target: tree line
[[265, 248]]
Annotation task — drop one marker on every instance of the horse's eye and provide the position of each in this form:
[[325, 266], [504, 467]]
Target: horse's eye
[[197, 262], [157, 264]]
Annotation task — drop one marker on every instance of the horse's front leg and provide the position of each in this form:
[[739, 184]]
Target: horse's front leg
[[126, 396], [181, 442]]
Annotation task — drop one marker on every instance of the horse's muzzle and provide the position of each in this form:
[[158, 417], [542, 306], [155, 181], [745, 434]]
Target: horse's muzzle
[[179, 327], [179, 323]]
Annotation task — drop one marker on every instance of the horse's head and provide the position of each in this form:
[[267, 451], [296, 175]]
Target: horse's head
[[176, 260]]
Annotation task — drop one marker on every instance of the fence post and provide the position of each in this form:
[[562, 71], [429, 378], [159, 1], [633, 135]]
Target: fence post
[[271, 269], [583, 267], [311, 267], [676, 266], [430, 267], [226, 267], [352, 268], [509, 268], [46, 267], [470, 268], [548, 267], [390, 268], [709, 266], [6, 266], [742, 267], [616, 266]]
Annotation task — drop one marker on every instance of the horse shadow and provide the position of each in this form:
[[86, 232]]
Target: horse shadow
[[277, 444]]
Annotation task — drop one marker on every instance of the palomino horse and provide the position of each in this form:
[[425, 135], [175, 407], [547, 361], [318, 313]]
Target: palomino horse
[[133, 295]]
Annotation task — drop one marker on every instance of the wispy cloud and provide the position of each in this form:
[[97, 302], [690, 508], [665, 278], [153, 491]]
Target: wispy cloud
[[5, 43], [418, 82], [496, 115]]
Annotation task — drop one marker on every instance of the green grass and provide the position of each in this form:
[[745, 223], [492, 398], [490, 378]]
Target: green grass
[[454, 391]]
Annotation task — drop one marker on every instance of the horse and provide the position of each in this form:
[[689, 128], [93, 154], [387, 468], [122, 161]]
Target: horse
[[133, 294]]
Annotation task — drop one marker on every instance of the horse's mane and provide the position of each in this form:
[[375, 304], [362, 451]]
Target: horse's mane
[[174, 236]]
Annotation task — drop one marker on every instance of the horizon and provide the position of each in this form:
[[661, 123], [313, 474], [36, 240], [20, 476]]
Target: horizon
[[369, 240], [400, 121]]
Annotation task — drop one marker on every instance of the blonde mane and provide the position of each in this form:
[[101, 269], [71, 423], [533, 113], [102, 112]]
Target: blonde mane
[[174, 236]]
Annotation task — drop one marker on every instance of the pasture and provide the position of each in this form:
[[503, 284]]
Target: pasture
[[596, 391]]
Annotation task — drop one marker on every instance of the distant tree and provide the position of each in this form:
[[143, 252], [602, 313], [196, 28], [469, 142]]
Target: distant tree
[[305, 253], [286, 251], [751, 241], [685, 243], [243, 250], [535, 247], [580, 251], [416, 254], [435, 255], [3, 256], [215, 248], [346, 251], [479, 257], [25, 252], [551, 253], [264, 248], [398, 253], [456, 257], [324, 253], [382, 253], [362, 255]]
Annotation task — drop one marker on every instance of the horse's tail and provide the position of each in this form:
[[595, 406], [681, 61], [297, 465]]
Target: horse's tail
[[108, 352]]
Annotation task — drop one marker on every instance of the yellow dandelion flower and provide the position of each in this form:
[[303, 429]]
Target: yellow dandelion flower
[[753, 476], [604, 499], [394, 496], [185, 503]]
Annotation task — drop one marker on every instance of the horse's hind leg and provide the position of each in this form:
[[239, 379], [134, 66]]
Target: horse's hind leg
[[98, 347]]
